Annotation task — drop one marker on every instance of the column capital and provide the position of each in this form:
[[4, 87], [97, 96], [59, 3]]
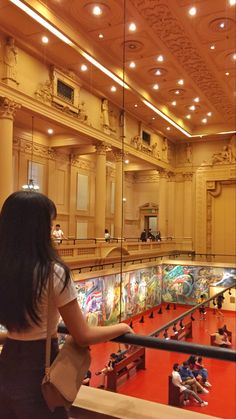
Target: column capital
[[188, 176], [164, 174], [118, 155], [8, 108], [102, 148]]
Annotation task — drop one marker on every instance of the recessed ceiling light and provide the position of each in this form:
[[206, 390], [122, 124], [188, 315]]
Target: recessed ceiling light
[[188, 116], [192, 108], [113, 88], [209, 113], [227, 73], [45, 39], [181, 82], [222, 25], [153, 118], [155, 87], [196, 99], [101, 36], [135, 105], [204, 120], [192, 11], [168, 128], [83, 67], [234, 56], [132, 64], [97, 11], [232, 2], [177, 92], [160, 58], [213, 47], [50, 131], [158, 72], [173, 103], [132, 27]]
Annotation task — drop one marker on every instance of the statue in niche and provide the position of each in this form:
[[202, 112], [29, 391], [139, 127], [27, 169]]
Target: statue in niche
[[155, 152], [10, 59], [225, 156], [122, 123], [44, 92], [105, 116], [83, 117], [189, 153], [165, 149]]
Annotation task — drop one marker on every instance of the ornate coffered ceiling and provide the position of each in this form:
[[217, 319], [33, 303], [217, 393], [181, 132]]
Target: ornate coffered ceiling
[[168, 46]]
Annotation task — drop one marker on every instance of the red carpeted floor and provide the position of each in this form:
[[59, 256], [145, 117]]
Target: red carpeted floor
[[151, 384]]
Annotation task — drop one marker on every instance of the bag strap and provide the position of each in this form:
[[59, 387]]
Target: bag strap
[[49, 323]]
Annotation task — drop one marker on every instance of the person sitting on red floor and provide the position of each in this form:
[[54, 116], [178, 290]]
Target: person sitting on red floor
[[221, 339], [108, 367]]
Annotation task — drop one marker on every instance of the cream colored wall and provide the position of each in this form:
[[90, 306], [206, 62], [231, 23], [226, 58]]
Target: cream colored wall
[[193, 208]]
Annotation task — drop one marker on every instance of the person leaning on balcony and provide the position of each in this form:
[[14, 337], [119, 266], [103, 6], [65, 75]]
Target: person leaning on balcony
[[25, 274], [185, 389], [58, 234]]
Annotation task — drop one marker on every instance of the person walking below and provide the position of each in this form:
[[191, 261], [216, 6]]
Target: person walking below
[[25, 274]]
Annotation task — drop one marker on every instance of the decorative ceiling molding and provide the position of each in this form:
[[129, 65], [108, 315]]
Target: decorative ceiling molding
[[164, 24]]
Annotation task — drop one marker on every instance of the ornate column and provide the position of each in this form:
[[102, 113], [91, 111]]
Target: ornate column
[[163, 218], [118, 216], [171, 205], [188, 205], [100, 190], [7, 112]]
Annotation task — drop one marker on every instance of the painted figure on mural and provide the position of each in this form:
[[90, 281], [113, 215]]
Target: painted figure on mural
[[10, 60]]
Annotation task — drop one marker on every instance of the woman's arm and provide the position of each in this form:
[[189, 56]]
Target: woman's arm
[[82, 333]]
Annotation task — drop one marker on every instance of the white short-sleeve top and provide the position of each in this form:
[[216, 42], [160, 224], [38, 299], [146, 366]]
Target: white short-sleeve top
[[58, 299]]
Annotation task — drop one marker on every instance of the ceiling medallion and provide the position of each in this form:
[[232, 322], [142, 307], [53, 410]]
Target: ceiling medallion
[[133, 46], [222, 24], [160, 71]]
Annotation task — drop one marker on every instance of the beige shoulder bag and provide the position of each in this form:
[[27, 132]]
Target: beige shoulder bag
[[64, 377]]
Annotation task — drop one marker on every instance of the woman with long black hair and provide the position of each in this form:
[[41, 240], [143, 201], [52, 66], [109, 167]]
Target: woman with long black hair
[[28, 261]]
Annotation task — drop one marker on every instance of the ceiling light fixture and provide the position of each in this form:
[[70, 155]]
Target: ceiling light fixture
[[45, 39], [132, 64], [181, 82], [50, 131], [168, 128], [204, 120], [164, 116], [135, 105], [188, 116], [97, 11], [232, 2], [196, 99], [113, 88], [31, 186], [209, 113], [153, 118], [101, 36], [132, 27], [155, 87], [41, 21], [212, 47], [104, 69], [192, 108], [127, 161], [177, 92], [234, 56], [227, 73], [174, 103], [160, 58], [83, 67], [192, 11], [158, 72], [222, 25]]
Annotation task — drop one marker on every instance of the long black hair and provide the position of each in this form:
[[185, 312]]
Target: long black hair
[[26, 257]]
